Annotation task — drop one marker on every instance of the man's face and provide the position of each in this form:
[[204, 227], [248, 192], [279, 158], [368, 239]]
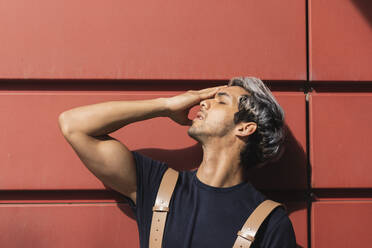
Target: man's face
[[216, 115]]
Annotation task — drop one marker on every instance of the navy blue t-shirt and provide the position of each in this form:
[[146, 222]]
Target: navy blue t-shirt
[[203, 216]]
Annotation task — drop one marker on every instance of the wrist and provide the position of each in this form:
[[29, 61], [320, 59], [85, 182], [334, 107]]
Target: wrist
[[163, 110]]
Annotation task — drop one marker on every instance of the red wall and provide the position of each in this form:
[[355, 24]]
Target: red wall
[[315, 55], [340, 55]]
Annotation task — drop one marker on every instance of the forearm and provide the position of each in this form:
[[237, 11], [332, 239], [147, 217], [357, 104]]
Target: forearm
[[107, 117]]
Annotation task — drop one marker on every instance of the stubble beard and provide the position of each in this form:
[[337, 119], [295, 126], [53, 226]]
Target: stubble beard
[[195, 133], [200, 134]]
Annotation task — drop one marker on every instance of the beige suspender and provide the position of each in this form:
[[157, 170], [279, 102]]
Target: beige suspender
[[248, 232], [161, 207]]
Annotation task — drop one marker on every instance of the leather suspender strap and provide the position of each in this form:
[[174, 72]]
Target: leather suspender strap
[[161, 207], [247, 234]]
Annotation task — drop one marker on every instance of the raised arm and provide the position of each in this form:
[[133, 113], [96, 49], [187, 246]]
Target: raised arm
[[86, 129]]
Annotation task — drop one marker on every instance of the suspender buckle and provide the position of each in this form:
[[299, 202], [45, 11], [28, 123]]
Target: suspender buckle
[[246, 236], [157, 208]]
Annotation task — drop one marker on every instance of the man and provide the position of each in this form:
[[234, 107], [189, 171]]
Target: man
[[239, 125]]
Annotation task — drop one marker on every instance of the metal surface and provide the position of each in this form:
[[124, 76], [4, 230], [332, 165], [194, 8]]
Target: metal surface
[[341, 224], [341, 141], [340, 38], [298, 216], [151, 39], [87, 225], [66, 225]]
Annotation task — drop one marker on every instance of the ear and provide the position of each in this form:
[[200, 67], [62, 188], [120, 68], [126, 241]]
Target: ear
[[244, 129]]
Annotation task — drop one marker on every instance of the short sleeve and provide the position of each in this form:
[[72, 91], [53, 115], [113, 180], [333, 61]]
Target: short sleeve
[[281, 235], [149, 175]]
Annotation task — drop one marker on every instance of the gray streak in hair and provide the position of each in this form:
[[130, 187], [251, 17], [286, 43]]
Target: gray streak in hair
[[261, 107]]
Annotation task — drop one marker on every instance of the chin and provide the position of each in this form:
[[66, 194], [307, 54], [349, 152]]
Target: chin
[[193, 133]]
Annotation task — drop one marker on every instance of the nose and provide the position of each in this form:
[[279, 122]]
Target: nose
[[204, 104]]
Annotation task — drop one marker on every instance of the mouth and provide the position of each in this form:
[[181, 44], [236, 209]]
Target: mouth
[[199, 116]]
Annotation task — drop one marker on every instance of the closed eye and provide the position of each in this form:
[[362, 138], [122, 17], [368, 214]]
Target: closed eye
[[221, 95]]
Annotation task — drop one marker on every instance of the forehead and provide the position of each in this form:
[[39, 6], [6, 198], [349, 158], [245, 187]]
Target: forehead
[[234, 91]]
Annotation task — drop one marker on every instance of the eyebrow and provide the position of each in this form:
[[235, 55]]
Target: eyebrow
[[223, 94]]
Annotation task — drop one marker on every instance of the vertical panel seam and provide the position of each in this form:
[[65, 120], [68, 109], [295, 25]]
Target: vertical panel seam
[[308, 89]]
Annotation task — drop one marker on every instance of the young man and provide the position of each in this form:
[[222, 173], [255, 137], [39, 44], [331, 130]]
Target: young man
[[239, 125]]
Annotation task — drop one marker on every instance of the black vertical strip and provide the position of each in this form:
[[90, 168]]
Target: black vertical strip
[[307, 28], [308, 169], [308, 89]]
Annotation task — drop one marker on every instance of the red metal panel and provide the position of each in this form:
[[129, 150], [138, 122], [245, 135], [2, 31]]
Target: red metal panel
[[151, 39], [66, 225], [341, 224], [340, 140], [340, 40], [36, 155], [87, 225], [298, 216]]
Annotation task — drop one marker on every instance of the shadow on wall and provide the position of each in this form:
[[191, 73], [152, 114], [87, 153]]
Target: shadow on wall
[[283, 181], [365, 7], [287, 173]]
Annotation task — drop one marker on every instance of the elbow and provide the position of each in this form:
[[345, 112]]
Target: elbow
[[62, 121]]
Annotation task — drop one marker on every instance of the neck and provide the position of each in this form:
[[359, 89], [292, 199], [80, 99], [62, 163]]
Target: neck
[[220, 166]]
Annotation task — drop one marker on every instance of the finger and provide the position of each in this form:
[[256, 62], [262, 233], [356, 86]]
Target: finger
[[212, 89], [209, 94]]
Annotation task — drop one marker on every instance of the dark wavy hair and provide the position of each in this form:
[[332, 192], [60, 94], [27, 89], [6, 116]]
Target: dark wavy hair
[[261, 107]]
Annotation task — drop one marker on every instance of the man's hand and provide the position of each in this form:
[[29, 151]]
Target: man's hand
[[178, 107]]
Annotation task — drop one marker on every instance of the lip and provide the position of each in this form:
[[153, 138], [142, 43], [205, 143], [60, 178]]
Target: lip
[[199, 116]]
